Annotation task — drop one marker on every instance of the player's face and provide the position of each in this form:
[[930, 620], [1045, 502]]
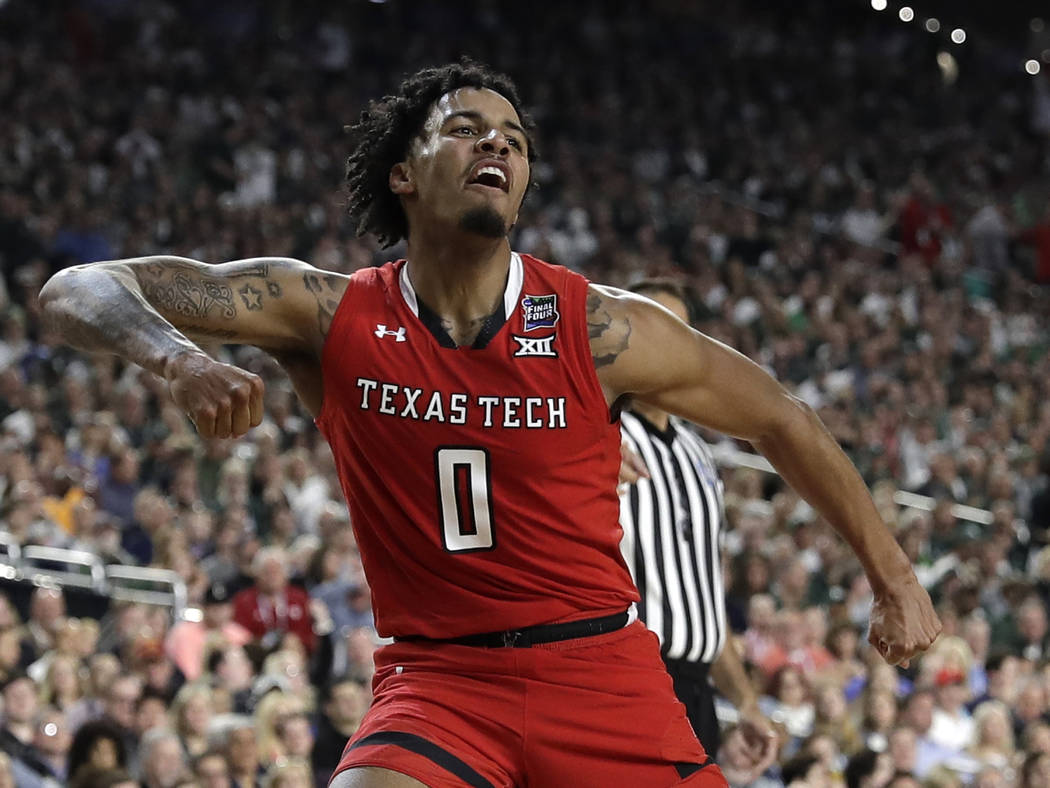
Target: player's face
[[469, 166]]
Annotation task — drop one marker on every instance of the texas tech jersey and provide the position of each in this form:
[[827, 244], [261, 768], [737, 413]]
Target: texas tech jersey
[[481, 480]]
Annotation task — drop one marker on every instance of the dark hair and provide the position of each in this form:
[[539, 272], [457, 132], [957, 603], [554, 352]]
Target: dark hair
[[860, 766], [382, 136], [797, 768], [84, 741], [671, 287], [328, 688]]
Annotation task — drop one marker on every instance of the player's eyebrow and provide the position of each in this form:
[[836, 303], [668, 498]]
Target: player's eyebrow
[[476, 116]]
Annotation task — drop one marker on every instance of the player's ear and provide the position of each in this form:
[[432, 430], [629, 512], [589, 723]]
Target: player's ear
[[401, 181]]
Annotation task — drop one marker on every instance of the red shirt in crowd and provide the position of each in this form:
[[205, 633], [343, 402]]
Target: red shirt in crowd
[[288, 611]]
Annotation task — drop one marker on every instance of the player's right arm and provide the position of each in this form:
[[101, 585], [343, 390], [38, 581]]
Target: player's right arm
[[150, 310]]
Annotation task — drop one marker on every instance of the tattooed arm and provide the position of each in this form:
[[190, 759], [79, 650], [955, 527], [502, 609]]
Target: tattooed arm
[[642, 350], [149, 310]]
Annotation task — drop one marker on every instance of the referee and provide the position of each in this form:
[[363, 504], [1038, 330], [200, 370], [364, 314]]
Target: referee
[[672, 518]]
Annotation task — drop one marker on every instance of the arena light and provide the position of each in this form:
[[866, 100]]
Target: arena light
[[958, 35], [906, 14], [933, 25], [878, 5], [1036, 25], [1032, 67], [1045, 57]]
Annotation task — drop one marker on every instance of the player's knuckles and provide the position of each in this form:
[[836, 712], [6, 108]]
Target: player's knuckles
[[205, 414], [240, 392]]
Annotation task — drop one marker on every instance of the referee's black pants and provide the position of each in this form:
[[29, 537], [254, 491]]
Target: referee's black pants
[[694, 691]]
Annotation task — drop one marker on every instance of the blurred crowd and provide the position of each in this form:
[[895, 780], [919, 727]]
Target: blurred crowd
[[868, 220]]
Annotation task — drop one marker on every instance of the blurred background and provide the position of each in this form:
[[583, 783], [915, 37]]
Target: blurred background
[[858, 194]]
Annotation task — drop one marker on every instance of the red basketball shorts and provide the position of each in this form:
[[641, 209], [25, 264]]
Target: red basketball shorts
[[596, 711]]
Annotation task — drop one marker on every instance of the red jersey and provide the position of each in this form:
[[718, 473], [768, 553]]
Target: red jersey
[[481, 480]]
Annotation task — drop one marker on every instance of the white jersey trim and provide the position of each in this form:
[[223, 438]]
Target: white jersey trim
[[515, 281]]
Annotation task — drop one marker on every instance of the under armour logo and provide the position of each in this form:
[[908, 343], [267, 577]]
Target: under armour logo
[[535, 346], [382, 332]]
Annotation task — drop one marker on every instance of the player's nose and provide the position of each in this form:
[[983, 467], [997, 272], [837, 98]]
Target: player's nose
[[494, 143]]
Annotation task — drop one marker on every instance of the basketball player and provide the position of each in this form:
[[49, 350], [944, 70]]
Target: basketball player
[[470, 395]]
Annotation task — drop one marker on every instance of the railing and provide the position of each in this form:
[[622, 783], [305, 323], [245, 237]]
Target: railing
[[59, 567], [734, 458]]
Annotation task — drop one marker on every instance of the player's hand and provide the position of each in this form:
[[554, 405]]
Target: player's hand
[[760, 741], [222, 401], [632, 467], [903, 622]]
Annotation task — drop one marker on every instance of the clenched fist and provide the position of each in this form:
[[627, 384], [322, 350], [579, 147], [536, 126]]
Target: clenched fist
[[903, 622], [222, 401]]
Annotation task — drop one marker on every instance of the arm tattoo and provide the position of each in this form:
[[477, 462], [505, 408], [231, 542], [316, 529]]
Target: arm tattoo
[[609, 335], [189, 291], [251, 297], [325, 289]]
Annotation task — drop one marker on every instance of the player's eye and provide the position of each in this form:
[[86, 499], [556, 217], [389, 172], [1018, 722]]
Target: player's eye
[[514, 141], [463, 130]]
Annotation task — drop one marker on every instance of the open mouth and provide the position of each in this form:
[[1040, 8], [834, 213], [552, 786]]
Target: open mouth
[[491, 176]]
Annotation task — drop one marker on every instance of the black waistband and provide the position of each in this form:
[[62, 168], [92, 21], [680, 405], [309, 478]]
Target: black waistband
[[695, 671], [534, 636]]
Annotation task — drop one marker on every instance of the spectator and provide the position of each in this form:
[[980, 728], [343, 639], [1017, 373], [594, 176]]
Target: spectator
[[234, 735], [98, 744], [903, 749], [343, 705], [1030, 706], [185, 643], [232, 670], [994, 738], [47, 612], [61, 686], [952, 726], [151, 711], [212, 770], [120, 701], [272, 607], [52, 741], [879, 718], [163, 760], [787, 701], [191, 713], [295, 735], [18, 734]]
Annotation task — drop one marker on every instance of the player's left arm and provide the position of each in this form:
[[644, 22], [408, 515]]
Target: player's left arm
[[641, 350]]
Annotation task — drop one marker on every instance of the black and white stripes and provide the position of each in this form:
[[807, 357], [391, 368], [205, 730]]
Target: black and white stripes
[[672, 529]]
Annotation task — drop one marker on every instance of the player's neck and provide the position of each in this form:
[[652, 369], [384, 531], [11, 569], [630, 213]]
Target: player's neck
[[658, 418], [461, 281]]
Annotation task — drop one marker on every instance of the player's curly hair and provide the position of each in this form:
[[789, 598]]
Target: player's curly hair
[[382, 135]]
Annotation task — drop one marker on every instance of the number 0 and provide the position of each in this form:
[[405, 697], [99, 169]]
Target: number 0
[[465, 498]]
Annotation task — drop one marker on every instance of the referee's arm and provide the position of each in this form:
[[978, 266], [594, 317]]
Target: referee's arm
[[707, 382]]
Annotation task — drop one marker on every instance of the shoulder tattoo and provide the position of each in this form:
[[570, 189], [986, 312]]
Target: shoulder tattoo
[[326, 291], [610, 335]]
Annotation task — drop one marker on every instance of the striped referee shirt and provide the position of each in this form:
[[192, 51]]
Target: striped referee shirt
[[672, 524]]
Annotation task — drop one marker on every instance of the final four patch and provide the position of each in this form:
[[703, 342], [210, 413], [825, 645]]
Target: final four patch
[[540, 311]]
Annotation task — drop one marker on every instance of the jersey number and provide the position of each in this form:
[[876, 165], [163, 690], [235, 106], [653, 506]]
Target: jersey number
[[464, 487]]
